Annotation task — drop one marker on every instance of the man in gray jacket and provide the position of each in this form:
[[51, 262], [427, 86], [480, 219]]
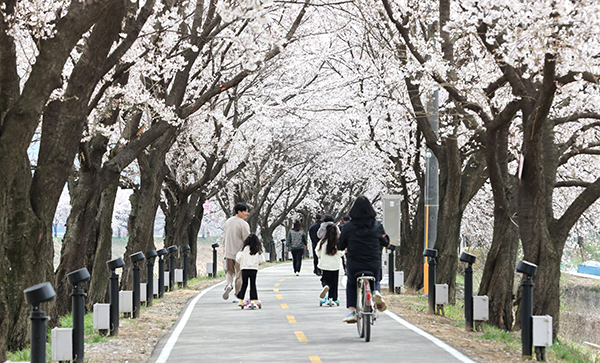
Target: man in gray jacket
[[234, 233]]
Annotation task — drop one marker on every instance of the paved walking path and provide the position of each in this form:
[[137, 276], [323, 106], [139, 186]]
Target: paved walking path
[[290, 327]]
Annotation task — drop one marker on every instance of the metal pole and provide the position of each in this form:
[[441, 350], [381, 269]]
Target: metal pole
[[149, 281], [185, 268], [271, 252], [526, 318], [214, 266], [136, 290], [431, 294], [171, 271], [469, 298], [161, 277], [283, 250], [391, 272], [38, 335], [77, 301], [114, 304]]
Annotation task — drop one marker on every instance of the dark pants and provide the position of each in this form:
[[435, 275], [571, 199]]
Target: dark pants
[[248, 275], [317, 271], [351, 283], [330, 278], [297, 257]]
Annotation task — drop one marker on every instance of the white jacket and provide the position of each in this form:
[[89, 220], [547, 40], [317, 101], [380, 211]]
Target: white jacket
[[328, 262], [248, 261]]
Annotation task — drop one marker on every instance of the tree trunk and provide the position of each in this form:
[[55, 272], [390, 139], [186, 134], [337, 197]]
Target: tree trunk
[[145, 203], [499, 271], [193, 229], [449, 217], [98, 292]]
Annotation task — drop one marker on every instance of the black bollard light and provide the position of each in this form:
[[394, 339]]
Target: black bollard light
[[283, 249], [78, 302], [470, 260], [214, 265], [161, 272], [172, 250], [35, 295], [391, 269], [135, 258], [272, 251], [150, 256], [529, 270], [114, 295], [431, 254]]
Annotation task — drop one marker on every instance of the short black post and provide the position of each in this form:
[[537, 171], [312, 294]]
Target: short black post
[[529, 270], [431, 254], [470, 260], [186, 262], [161, 272], [172, 250], [214, 264], [114, 295], [150, 256], [35, 295], [135, 258], [283, 250], [271, 251], [78, 301], [391, 269]]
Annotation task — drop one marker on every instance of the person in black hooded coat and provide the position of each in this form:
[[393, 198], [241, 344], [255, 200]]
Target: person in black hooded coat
[[364, 238]]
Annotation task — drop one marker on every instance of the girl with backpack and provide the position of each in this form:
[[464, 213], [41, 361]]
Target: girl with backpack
[[330, 263]]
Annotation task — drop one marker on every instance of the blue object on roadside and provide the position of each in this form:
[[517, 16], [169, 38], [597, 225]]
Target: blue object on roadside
[[590, 268]]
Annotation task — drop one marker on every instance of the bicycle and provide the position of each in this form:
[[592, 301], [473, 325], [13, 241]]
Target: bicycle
[[366, 309]]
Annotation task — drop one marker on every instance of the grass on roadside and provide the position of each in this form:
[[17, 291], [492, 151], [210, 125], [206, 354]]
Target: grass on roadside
[[562, 351]]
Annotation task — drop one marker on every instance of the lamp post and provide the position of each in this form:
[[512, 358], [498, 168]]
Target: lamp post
[[77, 301], [150, 256], [135, 258], [391, 269], [114, 295], [529, 270], [214, 264], [172, 250], [470, 260], [431, 255], [185, 250], [35, 295], [161, 272]]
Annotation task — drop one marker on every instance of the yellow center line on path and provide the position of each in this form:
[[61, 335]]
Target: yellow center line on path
[[278, 296], [281, 280], [291, 319], [275, 290], [276, 285], [289, 277], [301, 337], [284, 306], [314, 359]]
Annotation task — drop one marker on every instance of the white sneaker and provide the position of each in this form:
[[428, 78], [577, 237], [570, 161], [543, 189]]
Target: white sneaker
[[235, 300], [324, 292], [381, 305], [228, 289]]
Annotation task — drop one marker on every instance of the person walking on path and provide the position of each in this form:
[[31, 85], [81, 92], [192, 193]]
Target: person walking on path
[[312, 233], [234, 233], [296, 243], [248, 259], [330, 263], [363, 237]]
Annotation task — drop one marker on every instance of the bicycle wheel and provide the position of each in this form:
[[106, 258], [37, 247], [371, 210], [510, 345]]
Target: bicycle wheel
[[368, 309], [367, 324], [359, 308]]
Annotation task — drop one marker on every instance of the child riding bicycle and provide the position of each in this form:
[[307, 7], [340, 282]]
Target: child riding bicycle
[[364, 238]]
